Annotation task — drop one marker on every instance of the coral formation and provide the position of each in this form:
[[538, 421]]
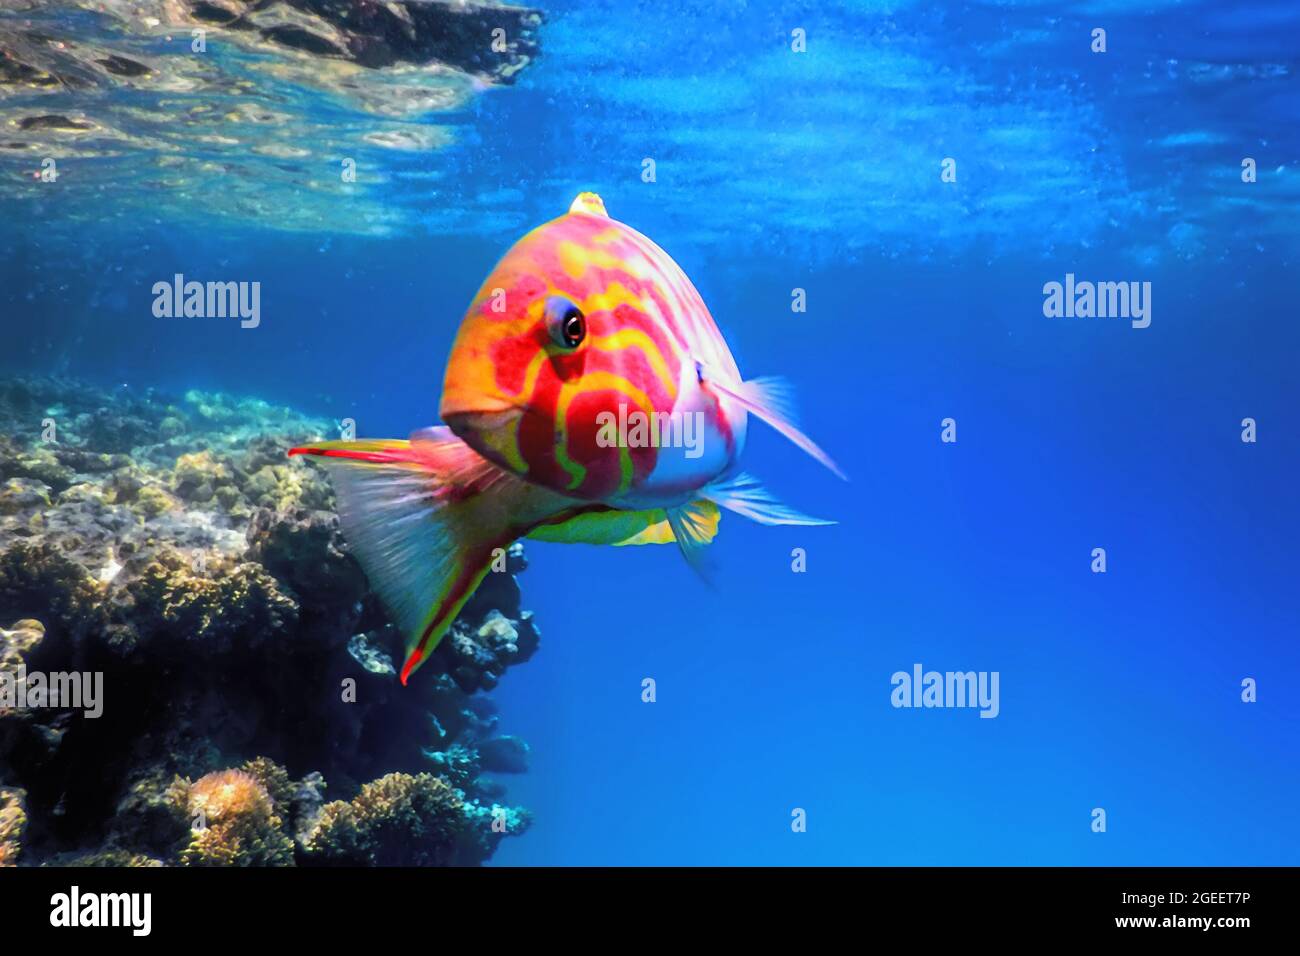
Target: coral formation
[[235, 823], [13, 820], [168, 544], [405, 820]]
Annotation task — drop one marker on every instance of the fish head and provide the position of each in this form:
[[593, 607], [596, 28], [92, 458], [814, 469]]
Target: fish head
[[585, 328]]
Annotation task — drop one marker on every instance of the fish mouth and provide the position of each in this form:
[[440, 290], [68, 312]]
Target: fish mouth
[[471, 401], [483, 417]]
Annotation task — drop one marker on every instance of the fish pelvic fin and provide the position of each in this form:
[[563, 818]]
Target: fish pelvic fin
[[771, 399], [744, 495], [601, 525], [425, 519], [694, 526]]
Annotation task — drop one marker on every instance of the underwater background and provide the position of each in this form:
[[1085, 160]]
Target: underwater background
[[774, 171]]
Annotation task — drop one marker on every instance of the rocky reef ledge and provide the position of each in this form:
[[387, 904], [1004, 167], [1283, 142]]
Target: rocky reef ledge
[[290, 114], [250, 712]]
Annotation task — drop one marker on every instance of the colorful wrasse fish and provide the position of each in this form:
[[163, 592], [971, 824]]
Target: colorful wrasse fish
[[589, 398]]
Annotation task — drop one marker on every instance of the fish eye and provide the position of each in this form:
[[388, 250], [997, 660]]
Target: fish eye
[[565, 321]]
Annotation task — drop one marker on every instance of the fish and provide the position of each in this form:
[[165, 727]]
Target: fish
[[589, 398]]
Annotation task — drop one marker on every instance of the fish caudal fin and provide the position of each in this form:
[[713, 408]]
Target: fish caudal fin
[[770, 399], [424, 518]]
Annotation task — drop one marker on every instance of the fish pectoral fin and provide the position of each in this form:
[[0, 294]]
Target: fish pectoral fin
[[695, 525], [610, 527], [424, 518], [771, 400], [744, 495]]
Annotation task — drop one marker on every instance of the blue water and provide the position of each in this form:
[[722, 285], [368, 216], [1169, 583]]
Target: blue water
[[821, 171]]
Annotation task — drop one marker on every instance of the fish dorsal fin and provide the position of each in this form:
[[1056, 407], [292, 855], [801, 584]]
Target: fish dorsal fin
[[589, 203]]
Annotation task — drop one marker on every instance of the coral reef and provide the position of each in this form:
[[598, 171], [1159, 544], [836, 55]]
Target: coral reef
[[167, 544]]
